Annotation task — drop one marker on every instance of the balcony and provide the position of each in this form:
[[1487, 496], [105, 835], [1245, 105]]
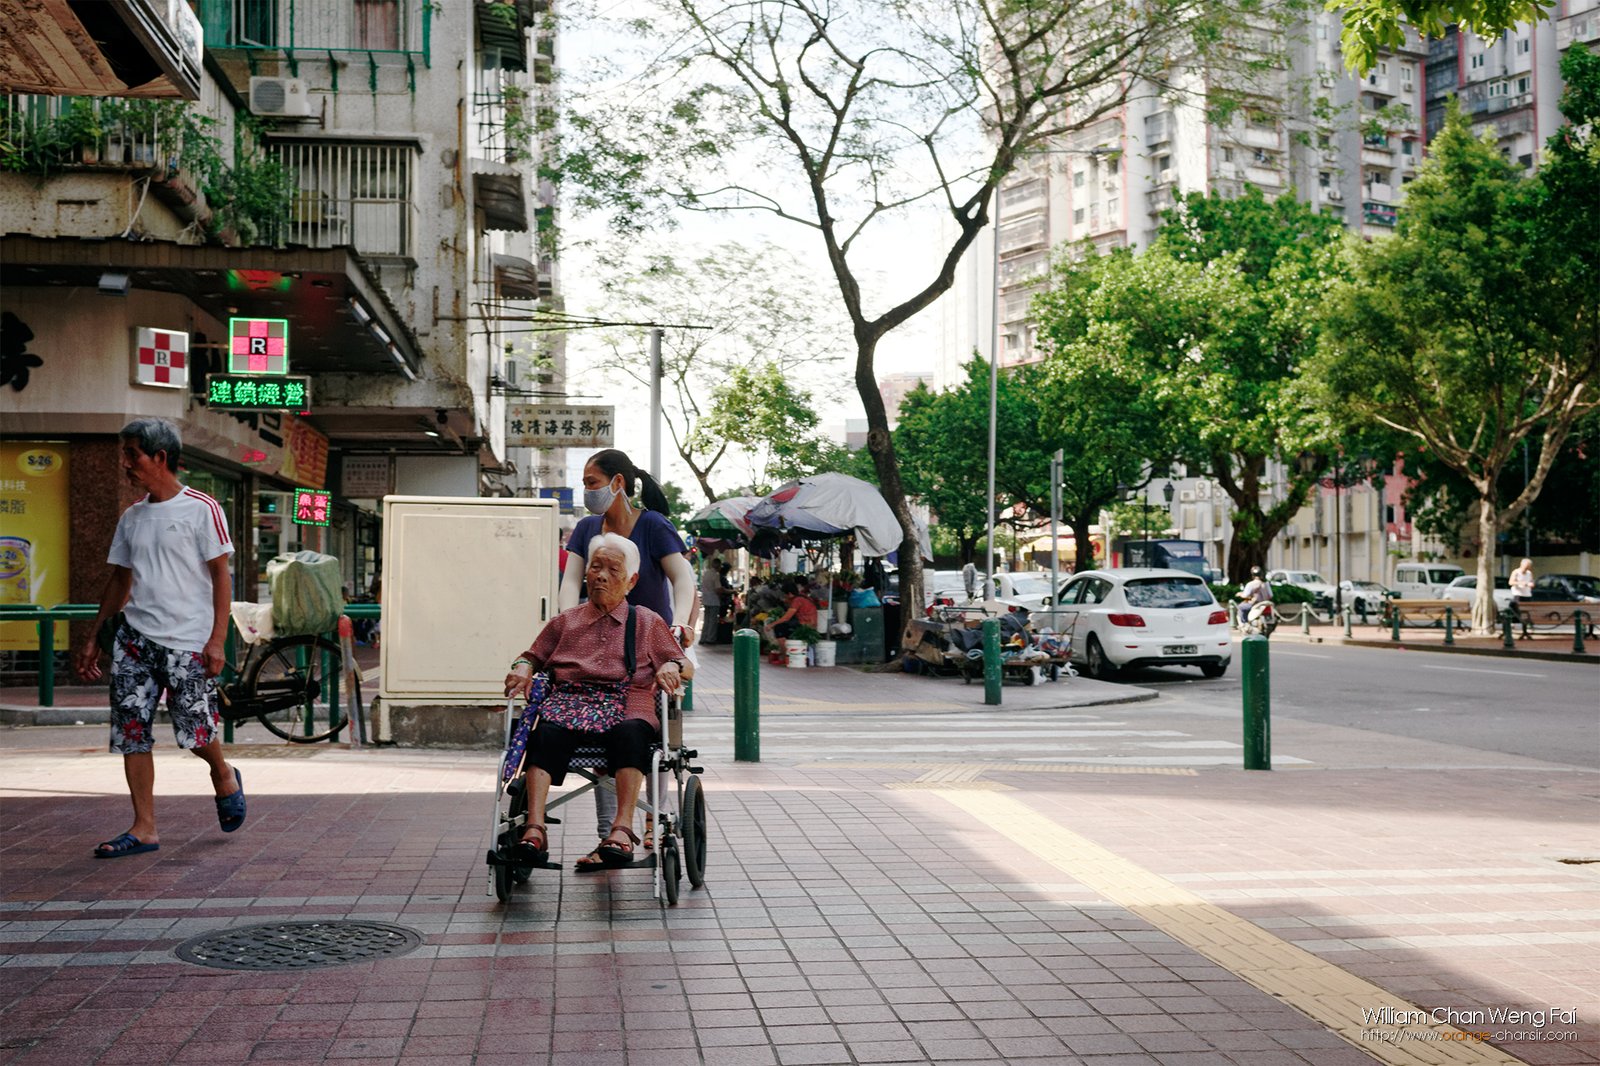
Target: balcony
[[1024, 234], [1023, 268], [1159, 200], [319, 29], [1377, 155], [1268, 177], [45, 133], [1378, 192], [1583, 28], [1379, 214]]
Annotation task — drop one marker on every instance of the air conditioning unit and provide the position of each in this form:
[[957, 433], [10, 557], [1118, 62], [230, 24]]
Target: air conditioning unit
[[1202, 490], [1335, 194], [280, 97], [1186, 496]]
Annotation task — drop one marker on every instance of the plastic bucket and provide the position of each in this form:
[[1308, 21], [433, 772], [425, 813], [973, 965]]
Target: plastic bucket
[[796, 651], [825, 652]]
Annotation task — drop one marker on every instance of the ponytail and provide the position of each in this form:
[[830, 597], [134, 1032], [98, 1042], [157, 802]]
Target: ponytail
[[613, 461]]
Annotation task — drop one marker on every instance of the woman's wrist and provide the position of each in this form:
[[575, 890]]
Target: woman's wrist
[[521, 662]]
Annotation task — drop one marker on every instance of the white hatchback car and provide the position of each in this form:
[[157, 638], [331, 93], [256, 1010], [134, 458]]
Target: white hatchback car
[[1143, 617], [1465, 588]]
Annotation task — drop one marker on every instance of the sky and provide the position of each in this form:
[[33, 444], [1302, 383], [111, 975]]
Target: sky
[[910, 240]]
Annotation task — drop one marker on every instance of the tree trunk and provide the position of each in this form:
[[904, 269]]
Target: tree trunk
[[880, 444], [1483, 611], [1243, 554], [1082, 543]]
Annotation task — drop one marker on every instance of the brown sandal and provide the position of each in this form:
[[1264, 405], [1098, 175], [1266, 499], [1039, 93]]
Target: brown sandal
[[617, 852]]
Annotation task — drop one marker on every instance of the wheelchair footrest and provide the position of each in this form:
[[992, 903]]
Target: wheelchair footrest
[[494, 858]]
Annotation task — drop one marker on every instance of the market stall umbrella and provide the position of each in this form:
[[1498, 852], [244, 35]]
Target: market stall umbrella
[[831, 505], [724, 519]]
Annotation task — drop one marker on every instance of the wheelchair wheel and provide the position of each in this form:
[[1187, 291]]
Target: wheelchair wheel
[[694, 832], [671, 870], [502, 883]]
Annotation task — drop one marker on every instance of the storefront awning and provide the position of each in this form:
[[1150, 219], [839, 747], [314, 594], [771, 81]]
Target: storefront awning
[[344, 321], [502, 196]]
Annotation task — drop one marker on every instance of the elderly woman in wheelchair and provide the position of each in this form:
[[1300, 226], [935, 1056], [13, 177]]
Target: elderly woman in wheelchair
[[594, 698]]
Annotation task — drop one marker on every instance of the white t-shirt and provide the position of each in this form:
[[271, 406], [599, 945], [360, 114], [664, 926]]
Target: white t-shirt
[[167, 546]]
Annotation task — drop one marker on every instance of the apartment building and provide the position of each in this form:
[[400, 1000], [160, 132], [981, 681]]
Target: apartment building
[[1306, 126], [374, 221]]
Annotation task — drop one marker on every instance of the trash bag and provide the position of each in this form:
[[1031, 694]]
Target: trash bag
[[307, 593]]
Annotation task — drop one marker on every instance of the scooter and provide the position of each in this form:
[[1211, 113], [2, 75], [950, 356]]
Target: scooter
[[1261, 620]]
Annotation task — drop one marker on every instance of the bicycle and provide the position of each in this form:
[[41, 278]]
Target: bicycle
[[283, 681]]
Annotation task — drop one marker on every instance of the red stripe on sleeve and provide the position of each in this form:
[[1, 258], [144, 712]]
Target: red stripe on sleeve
[[217, 523]]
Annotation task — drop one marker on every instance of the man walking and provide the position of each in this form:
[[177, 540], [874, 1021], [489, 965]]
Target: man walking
[[170, 579]]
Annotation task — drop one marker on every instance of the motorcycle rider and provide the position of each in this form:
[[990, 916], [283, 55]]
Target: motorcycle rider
[[1255, 591]]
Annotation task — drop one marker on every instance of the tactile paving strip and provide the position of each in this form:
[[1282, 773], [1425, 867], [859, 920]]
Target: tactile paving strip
[[298, 945], [1319, 989]]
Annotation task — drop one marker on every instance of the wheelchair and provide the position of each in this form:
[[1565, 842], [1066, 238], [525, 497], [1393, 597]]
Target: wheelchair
[[677, 807]]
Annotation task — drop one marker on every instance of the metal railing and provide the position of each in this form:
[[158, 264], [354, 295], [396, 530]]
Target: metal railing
[[63, 131], [45, 619], [399, 27]]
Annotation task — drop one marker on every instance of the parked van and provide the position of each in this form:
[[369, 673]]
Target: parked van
[[1424, 581]]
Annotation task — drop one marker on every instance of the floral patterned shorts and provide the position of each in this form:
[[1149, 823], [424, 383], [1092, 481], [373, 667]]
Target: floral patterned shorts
[[140, 671]]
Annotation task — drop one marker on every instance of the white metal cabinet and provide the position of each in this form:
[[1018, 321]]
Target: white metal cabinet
[[467, 584]]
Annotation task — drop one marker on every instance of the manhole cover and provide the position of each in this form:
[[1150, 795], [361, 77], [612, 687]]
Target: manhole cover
[[298, 945]]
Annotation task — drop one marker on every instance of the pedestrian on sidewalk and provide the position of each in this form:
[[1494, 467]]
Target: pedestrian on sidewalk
[[168, 596], [1521, 582], [715, 593]]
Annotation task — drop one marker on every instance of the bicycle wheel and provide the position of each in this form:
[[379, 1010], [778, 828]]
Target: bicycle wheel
[[291, 678]]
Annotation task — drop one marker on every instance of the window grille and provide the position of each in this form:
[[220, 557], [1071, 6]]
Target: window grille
[[355, 194]]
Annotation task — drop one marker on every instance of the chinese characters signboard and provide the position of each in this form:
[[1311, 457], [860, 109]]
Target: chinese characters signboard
[[311, 507], [366, 477], [546, 426], [258, 345], [241, 392], [160, 358]]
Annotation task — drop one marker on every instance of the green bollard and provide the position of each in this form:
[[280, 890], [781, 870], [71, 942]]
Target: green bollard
[[1577, 630], [1505, 630], [1394, 622], [1349, 615], [47, 661], [687, 702], [992, 673], [1256, 676], [747, 696], [1449, 626]]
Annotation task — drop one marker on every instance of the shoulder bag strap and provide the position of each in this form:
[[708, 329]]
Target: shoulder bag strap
[[629, 655]]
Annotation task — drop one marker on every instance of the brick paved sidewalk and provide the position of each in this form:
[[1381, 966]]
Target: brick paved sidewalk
[[850, 915]]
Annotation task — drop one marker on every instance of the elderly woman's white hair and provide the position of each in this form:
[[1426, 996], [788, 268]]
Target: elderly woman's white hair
[[620, 544]]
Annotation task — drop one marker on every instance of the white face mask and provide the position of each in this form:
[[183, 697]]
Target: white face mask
[[598, 501]]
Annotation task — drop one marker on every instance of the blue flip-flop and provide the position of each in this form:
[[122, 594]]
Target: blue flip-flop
[[230, 808], [126, 844]]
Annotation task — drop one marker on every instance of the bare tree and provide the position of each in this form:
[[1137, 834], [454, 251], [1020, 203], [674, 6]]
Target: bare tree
[[844, 117], [728, 310]]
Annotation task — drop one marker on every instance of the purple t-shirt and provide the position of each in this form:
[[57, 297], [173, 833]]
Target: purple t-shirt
[[654, 536]]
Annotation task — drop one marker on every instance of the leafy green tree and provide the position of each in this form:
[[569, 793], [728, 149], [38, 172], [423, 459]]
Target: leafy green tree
[[731, 313], [943, 442], [1373, 25], [760, 410], [1209, 328], [1478, 325], [840, 118]]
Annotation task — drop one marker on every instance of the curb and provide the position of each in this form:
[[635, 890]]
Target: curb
[[1459, 649]]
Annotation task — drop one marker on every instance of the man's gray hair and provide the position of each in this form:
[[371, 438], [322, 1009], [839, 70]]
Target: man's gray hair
[[155, 435], [620, 544]]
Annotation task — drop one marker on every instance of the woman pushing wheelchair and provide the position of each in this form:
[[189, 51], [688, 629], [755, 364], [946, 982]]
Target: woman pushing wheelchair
[[605, 660]]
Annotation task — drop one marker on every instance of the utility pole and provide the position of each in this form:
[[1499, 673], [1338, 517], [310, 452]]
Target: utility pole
[[655, 404], [994, 391]]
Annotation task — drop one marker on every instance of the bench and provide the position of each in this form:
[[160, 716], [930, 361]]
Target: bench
[[1552, 614], [1431, 611]]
